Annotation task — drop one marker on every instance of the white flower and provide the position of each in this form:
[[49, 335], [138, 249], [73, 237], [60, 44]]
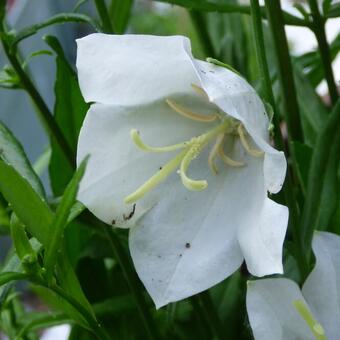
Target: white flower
[[279, 310], [186, 234]]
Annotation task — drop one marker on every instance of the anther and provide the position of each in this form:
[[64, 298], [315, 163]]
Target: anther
[[251, 151], [185, 112], [199, 90]]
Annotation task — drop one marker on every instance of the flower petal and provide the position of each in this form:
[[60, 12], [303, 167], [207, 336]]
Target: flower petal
[[187, 242], [271, 312], [322, 287], [261, 240], [234, 96], [117, 167], [133, 69]]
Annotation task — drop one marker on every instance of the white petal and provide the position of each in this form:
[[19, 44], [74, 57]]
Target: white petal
[[133, 69], [322, 287], [271, 312], [207, 221], [117, 167], [234, 96], [261, 240]]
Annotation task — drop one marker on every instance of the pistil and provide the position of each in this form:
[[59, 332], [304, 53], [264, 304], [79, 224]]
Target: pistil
[[314, 326]]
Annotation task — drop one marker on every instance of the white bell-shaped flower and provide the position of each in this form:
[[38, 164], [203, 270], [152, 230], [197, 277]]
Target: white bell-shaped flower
[[278, 309], [179, 153]]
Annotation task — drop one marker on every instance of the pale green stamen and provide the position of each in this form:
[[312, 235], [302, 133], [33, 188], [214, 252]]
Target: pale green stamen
[[312, 323], [252, 152], [185, 112], [192, 149], [156, 179], [138, 141], [187, 182], [214, 152]]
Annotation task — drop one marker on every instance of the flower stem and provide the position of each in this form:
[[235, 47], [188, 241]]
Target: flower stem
[[46, 116], [318, 28], [133, 283], [260, 52], [285, 71], [104, 16], [200, 25], [288, 189]]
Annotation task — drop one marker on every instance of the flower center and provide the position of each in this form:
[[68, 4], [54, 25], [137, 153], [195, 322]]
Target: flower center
[[313, 324], [192, 148]]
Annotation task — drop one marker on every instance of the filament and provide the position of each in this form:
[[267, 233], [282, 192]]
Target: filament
[[251, 151], [187, 113]]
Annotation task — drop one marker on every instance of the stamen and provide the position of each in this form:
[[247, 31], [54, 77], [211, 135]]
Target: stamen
[[313, 324], [199, 90], [214, 152], [157, 178], [190, 114], [135, 136], [252, 152], [227, 160], [188, 182]]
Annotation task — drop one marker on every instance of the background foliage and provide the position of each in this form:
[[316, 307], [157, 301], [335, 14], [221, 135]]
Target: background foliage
[[81, 268]]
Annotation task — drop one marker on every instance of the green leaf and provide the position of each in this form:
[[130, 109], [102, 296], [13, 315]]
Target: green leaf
[[61, 218], [30, 208], [120, 14], [60, 18], [69, 112], [20, 239], [313, 111], [39, 320], [303, 155], [56, 302], [13, 153], [11, 276], [334, 11]]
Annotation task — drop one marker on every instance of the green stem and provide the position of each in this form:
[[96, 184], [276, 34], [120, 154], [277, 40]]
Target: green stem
[[133, 283], [327, 139], [96, 328], [46, 116], [104, 16], [205, 6], [211, 315], [200, 25], [318, 28], [260, 52], [288, 189], [285, 71]]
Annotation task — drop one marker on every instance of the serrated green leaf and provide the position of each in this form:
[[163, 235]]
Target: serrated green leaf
[[69, 112], [13, 153], [60, 219], [120, 13], [30, 208], [20, 239]]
